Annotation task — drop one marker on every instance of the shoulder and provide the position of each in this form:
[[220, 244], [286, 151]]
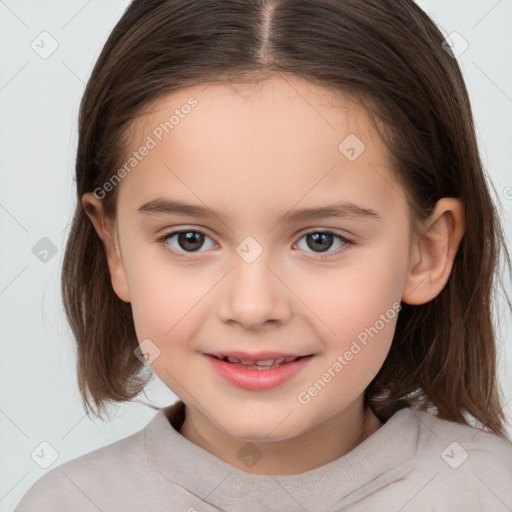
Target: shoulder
[[83, 483], [462, 466], [462, 443]]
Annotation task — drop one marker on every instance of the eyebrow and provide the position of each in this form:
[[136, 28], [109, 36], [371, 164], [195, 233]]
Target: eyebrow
[[175, 207]]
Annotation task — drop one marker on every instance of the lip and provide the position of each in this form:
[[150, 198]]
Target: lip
[[257, 380]]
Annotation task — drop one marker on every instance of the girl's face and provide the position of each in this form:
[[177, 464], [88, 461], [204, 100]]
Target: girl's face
[[253, 275]]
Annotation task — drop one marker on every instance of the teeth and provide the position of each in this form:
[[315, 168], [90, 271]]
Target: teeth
[[267, 364]]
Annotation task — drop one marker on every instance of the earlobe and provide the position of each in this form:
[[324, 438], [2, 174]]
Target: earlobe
[[106, 232], [434, 251]]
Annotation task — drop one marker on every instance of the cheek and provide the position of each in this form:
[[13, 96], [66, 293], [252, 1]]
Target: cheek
[[355, 296], [360, 310], [166, 297], [357, 308], [151, 288]]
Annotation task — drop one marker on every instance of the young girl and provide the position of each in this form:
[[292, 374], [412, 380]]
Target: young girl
[[282, 213]]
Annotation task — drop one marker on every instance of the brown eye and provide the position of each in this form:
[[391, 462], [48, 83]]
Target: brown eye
[[190, 240], [320, 241], [184, 241]]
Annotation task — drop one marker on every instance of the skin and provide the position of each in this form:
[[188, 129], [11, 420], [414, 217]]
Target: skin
[[255, 152]]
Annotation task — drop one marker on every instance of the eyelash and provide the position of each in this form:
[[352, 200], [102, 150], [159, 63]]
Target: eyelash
[[163, 241]]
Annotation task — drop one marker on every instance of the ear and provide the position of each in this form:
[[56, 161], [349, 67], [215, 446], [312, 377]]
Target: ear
[[105, 229], [433, 252]]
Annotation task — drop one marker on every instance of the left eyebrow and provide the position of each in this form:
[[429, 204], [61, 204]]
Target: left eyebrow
[[335, 210], [344, 209]]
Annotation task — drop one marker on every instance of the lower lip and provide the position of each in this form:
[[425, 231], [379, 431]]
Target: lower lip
[[257, 380]]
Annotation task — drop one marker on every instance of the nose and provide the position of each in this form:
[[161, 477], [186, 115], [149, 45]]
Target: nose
[[254, 295]]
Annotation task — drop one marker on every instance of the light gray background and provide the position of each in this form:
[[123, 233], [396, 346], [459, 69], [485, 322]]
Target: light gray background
[[39, 99]]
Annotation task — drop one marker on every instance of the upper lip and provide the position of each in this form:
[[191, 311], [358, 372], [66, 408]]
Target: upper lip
[[255, 356]]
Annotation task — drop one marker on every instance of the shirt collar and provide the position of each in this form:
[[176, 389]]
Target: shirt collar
[[210, 478]]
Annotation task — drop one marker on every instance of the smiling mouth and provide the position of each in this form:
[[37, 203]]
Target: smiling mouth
[[267, 364]]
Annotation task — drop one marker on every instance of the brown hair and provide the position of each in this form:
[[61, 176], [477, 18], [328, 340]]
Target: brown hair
[[387, 55]]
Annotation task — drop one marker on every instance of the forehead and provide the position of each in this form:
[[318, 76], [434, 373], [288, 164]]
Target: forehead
[[276, 142]]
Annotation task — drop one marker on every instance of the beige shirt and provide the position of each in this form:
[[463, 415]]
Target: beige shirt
[[415, 462]]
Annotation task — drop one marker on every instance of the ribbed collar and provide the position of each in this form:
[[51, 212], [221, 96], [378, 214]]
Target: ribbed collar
[[217, 482]]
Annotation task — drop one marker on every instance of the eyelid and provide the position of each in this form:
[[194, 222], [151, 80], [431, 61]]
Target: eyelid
[[329, 231], [163, 240], [332, 231]]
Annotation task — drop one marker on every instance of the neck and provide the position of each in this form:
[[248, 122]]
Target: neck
[[316, 447]]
